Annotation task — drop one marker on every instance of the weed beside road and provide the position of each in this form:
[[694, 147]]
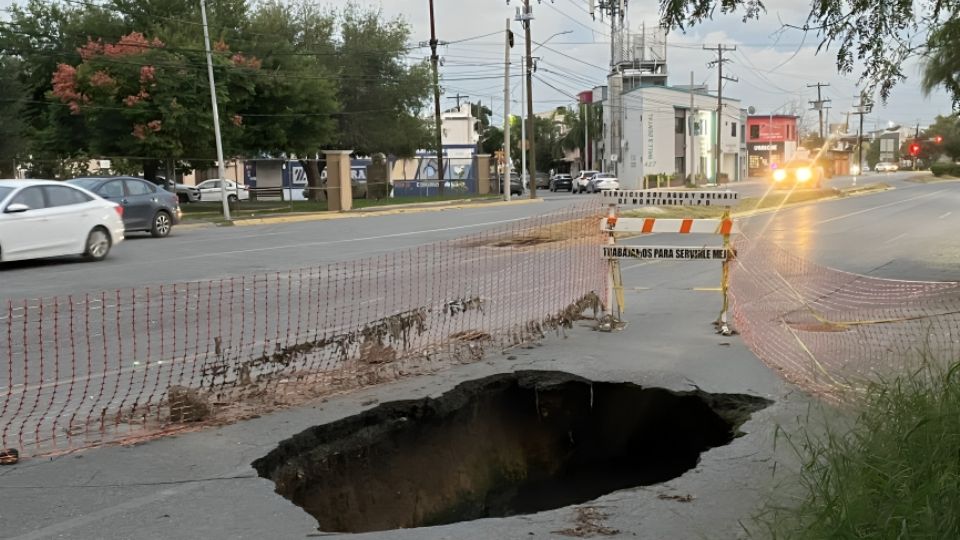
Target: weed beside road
[[894, 474]]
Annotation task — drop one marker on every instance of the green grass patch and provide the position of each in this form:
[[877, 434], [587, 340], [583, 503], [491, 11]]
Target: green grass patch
[[894, 473], [212, 211]]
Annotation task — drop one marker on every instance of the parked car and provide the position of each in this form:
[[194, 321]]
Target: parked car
[[146, 206], [561, 181], [516, 185], [42, 218], [799, 173], [210, 191], [603, 182], [543, 180], [186, 194], [582, 181], [886, 166]]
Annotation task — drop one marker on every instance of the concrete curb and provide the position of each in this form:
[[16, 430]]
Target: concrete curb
[[857, 192], [361, 213]]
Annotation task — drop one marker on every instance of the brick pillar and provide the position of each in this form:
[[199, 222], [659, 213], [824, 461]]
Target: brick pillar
[[482, 168], [339, 186]]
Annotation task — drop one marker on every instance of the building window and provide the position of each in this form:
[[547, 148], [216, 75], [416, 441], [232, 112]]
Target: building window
[[733, 129], [680, 125], [755, 131], [743, 134]]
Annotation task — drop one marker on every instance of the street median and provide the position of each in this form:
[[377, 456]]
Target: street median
[[267, 213]]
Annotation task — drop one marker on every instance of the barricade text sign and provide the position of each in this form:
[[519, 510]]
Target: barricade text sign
[[674, 253], [653, 197]]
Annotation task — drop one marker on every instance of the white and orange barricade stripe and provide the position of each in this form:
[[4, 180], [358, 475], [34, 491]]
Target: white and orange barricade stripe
[[672, 226]]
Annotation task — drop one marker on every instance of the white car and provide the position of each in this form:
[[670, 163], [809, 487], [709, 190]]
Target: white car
[[41, 218], [603, 182], [885, 166], [210, 191], [582, 181]]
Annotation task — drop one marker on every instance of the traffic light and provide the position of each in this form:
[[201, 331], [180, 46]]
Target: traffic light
[[914, 149], [938, 139]]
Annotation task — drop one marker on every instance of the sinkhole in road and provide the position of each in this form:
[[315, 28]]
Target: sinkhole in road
[[503, 445]]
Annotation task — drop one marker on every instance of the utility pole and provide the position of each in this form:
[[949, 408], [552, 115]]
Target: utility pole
[[862, 107], [222, 170], [508, 162], [525, 19], [523, 120], [720, 49], [586, 136], [434, 60], [458, 97], [818, 104]]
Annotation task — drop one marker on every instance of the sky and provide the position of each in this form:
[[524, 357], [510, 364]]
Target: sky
[[774, 66]]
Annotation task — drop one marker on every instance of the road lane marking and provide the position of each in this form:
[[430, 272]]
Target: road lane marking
[[895, 238], [945, 215], [871, 209]]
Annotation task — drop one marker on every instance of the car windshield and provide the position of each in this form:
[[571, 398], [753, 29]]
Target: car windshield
[[797, 163], [4, 191], [85, 183], [605, 175]]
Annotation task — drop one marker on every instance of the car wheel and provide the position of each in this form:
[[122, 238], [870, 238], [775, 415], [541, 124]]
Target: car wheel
[[98, 245], [232, 199], [162, 224], [183, 198]]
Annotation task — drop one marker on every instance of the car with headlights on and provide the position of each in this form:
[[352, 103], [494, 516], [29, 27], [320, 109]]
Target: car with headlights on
[[886, 166], [799, 173], [43, 218]]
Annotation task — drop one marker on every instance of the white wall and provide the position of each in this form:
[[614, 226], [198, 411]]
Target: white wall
[[649, 132]]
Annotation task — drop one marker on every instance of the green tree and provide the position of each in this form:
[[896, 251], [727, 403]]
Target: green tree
[[381, 95], [12, 128], [948, 128], [878, 35], [942, 60], [872, 153]]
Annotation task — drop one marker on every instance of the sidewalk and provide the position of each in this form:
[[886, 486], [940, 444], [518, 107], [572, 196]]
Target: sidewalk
[[201, 485]]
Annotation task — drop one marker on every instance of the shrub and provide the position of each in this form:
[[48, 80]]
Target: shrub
[[945, 169]]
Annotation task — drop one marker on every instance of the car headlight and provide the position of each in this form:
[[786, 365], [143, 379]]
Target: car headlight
[[804, 174], [779, 175]]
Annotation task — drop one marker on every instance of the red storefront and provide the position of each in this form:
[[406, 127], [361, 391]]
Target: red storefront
[[771, 141]]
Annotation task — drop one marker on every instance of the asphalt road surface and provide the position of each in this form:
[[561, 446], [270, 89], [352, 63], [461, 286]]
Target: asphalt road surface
[[910, 237]]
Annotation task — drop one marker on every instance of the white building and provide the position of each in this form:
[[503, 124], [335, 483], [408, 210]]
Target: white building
[[662, 134], [459, 127]]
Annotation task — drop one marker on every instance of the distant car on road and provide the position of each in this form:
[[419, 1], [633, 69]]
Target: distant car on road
[[146, 206], [516, 185], [42, 218], [561, 181], [211, 191], [799, 173], [582, 181], [603, 182], [886, 166], [543, 180]]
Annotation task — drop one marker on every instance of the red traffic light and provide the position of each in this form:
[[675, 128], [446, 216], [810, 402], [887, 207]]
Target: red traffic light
[[938, 139], [914, 149]]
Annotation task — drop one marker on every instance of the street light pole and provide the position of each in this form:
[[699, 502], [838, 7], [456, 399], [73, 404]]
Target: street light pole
[[216, 115]]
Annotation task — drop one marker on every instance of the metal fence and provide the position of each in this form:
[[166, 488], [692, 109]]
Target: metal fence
[[99, 367]]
